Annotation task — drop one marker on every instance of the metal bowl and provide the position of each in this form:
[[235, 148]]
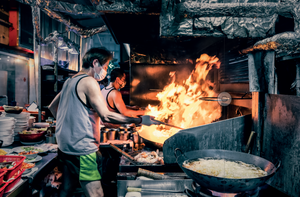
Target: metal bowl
[[13, 109], [31, 156]]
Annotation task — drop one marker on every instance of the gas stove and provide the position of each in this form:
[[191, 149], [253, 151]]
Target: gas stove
[[263, 191]]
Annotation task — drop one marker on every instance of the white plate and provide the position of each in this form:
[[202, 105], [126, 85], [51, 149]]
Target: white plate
[[5, 119], [20, 149], [40, 124], [8, 150], [38, 158], [32, 143]]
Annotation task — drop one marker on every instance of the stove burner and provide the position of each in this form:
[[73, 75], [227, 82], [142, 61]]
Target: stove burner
[[204, 192]]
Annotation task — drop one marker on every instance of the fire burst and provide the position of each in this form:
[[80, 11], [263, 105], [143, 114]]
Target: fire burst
[[180, 104]]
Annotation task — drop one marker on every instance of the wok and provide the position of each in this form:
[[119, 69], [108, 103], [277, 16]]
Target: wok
[[152, 141], [226, 185]]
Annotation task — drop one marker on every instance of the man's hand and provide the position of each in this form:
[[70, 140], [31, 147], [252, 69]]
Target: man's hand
[[148, 120]]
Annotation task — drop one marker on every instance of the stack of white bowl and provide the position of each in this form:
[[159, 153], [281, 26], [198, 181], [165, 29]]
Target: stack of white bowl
[[7, 125], [21, 124]]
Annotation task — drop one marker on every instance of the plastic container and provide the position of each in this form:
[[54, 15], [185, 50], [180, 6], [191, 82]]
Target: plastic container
[[2, 189], [10, 172], [12, 183], [2, 176]]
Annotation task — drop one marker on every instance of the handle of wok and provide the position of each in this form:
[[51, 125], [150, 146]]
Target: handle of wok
[[278, 165], [175, 153], [189, 193]]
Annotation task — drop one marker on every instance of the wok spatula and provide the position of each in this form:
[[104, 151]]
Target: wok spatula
[[167, 124]]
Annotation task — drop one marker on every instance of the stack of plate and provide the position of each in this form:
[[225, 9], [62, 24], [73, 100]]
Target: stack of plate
[[7, 125], [21, 124]]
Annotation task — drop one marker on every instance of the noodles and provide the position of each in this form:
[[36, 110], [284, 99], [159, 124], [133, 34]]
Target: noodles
[[225, 169]]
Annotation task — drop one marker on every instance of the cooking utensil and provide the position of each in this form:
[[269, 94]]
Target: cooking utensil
[[249, 141], [151, 141], [135, 189], [226, 185], [150, 174], [123, 153], [167, 124]]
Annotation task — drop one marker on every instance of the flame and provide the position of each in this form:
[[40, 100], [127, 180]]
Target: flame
[[180, 104]]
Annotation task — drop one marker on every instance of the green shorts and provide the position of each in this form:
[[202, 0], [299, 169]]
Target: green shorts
[[84, 167]]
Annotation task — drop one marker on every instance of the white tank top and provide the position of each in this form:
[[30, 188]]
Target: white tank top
[[77, 130]]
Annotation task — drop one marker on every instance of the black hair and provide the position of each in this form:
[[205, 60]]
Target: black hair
[[117, 72], [104, 81], [100, 53]]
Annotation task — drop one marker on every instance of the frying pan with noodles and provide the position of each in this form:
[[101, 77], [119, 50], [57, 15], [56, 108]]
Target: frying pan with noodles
[[226, 185]]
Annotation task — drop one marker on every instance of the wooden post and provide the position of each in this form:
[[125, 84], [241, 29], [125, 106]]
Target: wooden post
[[262, 80]]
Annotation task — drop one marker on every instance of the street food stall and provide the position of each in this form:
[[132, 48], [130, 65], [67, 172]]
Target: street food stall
[[214, 75]]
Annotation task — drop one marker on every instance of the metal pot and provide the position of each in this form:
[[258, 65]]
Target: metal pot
[[226, 185], [50, 138], [112, 134], [123, 135], [104, 135]]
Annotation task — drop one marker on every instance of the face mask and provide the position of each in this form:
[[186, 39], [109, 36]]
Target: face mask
[[101, 75], [122, 85]]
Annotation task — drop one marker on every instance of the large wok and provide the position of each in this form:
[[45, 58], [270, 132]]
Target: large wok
[[152, 141], [226, 185]]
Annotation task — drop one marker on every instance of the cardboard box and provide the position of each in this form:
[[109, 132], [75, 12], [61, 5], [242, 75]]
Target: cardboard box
[[4, 35]]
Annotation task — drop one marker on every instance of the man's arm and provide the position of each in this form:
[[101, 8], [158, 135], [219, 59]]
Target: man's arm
[[95, 98], [120, 105], [54, 105]]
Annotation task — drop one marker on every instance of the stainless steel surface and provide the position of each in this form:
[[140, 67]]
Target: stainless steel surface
[[178, 185], [225, 184], [3, 87]]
